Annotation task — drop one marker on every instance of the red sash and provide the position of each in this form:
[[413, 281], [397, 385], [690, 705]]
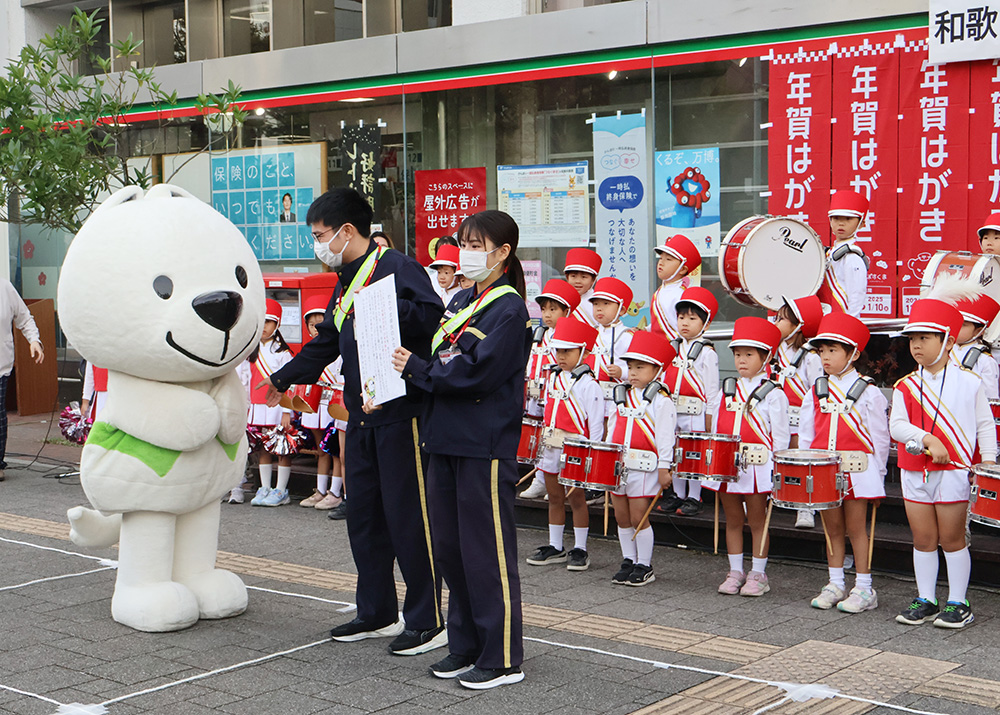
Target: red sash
[[852, 433], [945, 427], [565, 414], [100, 379], [658, 322], [794, 387], [753, 428], [644, 429]]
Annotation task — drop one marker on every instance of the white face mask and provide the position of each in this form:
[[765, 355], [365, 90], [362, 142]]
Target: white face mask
[[473, 264], [323, 252]]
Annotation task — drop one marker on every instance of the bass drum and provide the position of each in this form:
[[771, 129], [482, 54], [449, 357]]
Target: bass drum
[[764, 258], [983, 269]]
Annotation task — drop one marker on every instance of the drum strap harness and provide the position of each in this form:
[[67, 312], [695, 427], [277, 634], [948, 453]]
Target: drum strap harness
[[685, 363], [972, 357], [850, 248], [822, 389], [633, 411], [538, 351], [565, 395], [729, 389]]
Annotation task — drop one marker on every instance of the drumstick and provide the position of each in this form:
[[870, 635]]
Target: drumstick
[[607, 503], [646, 515], [871, 536], [523, 479], [716, 524], [829, 545], [767, 523], [569, 491]]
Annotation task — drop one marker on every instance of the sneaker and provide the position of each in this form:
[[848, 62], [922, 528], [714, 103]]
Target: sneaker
[[641, 575], [579, 560], [260, 496], [535, 490], [756, 584], [919, 611], [955, 615], [236, 496], [830, 596], [594, 496], [328, 502], [805, 519], [733, 583], [859, 600], [312, 500], [624, 571], [338, 512], [669, 503], [276, 497], [452, 666], [486, 678], [690, 507], [417, 642], [358, 630], [547, 554]]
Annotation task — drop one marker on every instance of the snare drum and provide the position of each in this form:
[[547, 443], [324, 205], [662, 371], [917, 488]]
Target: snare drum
[[591, 465], [807, 479], [764, 258], [984, 501], [531, 441], [995, 409], [701, 455], [307, 398]]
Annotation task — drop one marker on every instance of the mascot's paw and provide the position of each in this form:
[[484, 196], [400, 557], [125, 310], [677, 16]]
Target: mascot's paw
[[220, 593], [92, 529], [155, 607]]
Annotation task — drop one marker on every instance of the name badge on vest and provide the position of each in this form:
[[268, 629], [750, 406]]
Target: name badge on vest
[[449, 354]]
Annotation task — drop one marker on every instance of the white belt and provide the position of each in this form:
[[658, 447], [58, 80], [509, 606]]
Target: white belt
[[689, 405], [641, 460], [793, 415], [752, 453], [853, 462]]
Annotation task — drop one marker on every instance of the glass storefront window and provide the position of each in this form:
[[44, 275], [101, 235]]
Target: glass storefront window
[[246, 26], [333, 20]]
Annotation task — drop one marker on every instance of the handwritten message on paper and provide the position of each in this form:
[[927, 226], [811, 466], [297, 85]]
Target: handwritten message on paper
[[376, 329]]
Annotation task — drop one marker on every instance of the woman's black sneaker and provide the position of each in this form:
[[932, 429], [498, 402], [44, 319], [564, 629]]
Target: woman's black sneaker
[[919, 611], [955, 615], [624, 571], [453, 666]]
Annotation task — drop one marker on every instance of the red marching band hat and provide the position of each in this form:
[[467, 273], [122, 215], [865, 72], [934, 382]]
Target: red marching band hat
[[272, 311], [583, 260], [650, 347], [980, 311], [314, 304], [680, 246], [992, 222], [617, 291], [701, 297], [755, 332], [930, 315], [808, 311], [848, 203], [560, 291], [572, 333], [447, 255], [842, 328]]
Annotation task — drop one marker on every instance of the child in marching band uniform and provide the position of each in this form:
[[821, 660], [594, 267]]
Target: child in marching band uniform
[[582, 268], [845, 412], [574, 405], [845, 285], [940, 417], [95, 390], [643, 422], [272, 353], [693, 381], [557, 300], [970, 351], [798, 367], [446, 263], [676, 258], [989, 243], [755, 409], [611, 299]]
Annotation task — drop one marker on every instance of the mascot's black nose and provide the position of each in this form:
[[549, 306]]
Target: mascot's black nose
[[220, 309]]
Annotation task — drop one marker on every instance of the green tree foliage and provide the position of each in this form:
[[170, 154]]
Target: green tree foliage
[[63, 135]]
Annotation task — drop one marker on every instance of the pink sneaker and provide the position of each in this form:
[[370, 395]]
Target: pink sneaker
[[328, 502], [731, 586], [756, 584]]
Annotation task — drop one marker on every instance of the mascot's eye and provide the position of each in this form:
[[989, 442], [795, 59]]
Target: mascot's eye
[[241, 276], [163, 286]]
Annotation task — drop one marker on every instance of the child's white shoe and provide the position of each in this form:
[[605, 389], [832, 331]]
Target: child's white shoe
[[260, 496]]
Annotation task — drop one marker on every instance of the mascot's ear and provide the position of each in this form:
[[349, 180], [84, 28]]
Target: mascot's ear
[[167, 191], [124, 195]]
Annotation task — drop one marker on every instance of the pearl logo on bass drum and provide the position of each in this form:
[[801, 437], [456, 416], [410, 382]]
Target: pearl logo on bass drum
[[786, 238]]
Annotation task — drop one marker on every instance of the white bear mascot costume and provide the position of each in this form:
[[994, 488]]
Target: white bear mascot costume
[[164, 292]]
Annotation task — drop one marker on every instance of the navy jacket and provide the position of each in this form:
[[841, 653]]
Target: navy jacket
[[477, 398], [420, 312]]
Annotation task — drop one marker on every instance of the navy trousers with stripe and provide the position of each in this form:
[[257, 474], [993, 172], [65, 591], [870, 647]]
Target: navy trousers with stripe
[[386, 521], [475, 548]]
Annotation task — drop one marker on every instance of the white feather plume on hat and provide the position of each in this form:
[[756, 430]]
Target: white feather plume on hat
[[953, 288]]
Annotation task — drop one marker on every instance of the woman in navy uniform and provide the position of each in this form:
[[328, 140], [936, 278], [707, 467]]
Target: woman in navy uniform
[[386, 515], [472, 425]]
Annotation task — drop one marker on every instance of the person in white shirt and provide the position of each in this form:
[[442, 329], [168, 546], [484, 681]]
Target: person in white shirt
[[583, 265], [445, 263], [845, 285], [13, 311], [676, 259], [611, 299]]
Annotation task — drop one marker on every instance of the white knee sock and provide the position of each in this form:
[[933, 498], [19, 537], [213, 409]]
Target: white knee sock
[[580, 537], [265, 474], [681, 488], [925, 568], [959, 565], [758, 565], [627, 543], [863, 581], [337, 485], [322, 483], [284, 474], [556, 535], [837, 577], [736, 562], [644, 546], [694, 489]]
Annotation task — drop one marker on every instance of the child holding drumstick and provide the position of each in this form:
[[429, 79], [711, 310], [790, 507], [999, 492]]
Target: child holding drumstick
[[846, 413]]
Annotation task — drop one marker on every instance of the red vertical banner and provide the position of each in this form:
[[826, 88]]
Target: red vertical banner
[[798, 153], [933, 163], [444, 198], [865, 109], [984, 135]]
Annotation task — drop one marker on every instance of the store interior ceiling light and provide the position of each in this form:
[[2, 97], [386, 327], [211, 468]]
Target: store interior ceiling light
[[612, 74], [358, 99], [259, 111], [743, 61]]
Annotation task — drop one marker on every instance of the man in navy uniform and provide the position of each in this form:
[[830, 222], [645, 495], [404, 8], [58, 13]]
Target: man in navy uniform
[[387, 504]]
